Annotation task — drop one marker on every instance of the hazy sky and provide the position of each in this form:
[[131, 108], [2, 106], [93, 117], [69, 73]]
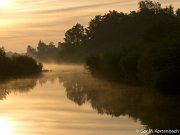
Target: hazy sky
[[25, 22]]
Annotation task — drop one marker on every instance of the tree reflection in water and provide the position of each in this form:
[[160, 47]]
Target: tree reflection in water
[[156, 110], [16, 85], [24, 84]]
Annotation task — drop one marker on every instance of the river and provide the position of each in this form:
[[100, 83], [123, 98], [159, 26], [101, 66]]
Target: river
[[70, 101]]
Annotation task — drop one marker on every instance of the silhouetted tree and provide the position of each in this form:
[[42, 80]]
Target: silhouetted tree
[[75, 35], [178, 12], [114, 45], [168, 10], [31, 51], [119, 42], [149, 6], [2, 52]]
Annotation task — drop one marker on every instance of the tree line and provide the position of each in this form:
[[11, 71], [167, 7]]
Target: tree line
[[142, 46]]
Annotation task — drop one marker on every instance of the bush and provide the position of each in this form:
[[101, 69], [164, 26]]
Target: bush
[[18, 65]]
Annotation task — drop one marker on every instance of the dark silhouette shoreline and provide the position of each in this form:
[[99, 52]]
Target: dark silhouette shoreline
[[142, 46], [18, 66]]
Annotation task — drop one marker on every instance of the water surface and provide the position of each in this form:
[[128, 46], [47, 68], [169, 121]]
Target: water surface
[[69, 101]]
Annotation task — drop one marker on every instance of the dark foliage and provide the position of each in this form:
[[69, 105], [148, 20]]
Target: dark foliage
[[17, 65], [72, 50], [142, 46]]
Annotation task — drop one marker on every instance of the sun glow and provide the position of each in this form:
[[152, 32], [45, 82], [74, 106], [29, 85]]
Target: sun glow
[[5, 3], [5, 127]]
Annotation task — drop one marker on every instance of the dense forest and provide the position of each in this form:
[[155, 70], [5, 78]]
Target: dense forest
[[17, 65], [141, 46]]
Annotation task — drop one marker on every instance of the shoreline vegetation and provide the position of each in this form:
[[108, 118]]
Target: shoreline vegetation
[[18, 65], [142, 46]]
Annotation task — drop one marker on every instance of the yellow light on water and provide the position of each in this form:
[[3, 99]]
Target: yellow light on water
[[5, 3], [5, 127]]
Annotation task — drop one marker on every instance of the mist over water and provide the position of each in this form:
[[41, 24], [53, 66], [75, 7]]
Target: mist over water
[[68, 100], [45, 105], [63, 67], [118, 75]]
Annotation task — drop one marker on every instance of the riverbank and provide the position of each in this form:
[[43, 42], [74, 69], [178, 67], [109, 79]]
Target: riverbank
[[18, 65]]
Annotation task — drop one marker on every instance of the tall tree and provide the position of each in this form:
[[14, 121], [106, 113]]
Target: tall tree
[[149, 6], [75, 35]]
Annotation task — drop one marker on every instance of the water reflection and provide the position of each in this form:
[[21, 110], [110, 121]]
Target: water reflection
[[17, 85], [5, 126], [24, 84], [156, 110]]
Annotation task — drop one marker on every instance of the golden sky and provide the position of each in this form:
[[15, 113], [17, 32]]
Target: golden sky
[[25, 22]]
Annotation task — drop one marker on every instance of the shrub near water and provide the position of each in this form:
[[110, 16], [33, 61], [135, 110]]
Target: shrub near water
[[18, 65]]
